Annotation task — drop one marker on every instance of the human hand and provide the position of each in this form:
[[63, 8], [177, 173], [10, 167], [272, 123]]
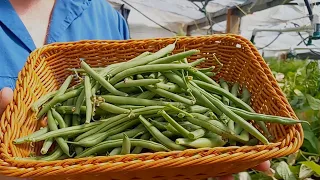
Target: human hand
[[6, 96], [265, 166]]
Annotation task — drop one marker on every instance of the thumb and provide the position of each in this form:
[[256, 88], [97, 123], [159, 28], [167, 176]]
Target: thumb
[[6, 96]]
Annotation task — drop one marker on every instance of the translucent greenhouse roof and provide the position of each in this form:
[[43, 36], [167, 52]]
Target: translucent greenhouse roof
[[165, 18]]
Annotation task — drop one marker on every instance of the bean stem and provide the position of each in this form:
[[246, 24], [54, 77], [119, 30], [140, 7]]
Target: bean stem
[[126, 145], [101, 80]]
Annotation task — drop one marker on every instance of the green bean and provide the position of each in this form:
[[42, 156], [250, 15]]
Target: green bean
[[179, 110], [138, 149], [239, 103], [200, 116], [99, 137], [170, 128], [236, 118], [231, 127], [203, 77], [209, 74], [208, 69], [35, 106], [71, 109], [168, 134], [197, 109], [136, 101], [175, 79], [46, 145], [55, 155], [78, 150], [266, 118], [53, 127], [117, 143], [110, 67], [197, 62], [245, 135], [189, 126], [144, 60], [130, 133], [79, 102], [113, 109], [225, 86], [169, 87], [170, 95], [145, 69], [39, 132], [134, 83], [234, 92], [225, 93], [68, 117], [170, 59], [159, 125], [131, 106], [185, 133], [64, 132], [126, 145], [202, 100], [103, 126], [88, 95], [79, 70], [57, 97], [115, 151], [101, 80], [76, 120], [146, 95], [115, 120], [216, 127], [58, 118], [245, 95], [159, 136], [211, 115], [199, 143], [181, 115], [153, 139], [237, 128], [198, 133]]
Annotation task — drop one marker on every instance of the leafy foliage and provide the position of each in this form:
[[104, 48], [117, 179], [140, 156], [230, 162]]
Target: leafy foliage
[[300, 82]]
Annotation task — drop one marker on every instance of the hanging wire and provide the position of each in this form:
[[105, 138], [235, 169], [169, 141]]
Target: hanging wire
[[148, 17], [204, 11], [270, 42]]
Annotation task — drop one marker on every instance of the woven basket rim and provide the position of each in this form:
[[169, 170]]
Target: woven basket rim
[[8, 161]]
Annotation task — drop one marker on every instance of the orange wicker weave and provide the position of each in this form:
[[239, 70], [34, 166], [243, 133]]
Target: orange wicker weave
[[46, 68]]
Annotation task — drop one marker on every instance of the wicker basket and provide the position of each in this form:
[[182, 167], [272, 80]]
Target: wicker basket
[[46, 68]]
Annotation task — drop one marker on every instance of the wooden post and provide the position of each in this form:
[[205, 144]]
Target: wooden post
[[233, 23]]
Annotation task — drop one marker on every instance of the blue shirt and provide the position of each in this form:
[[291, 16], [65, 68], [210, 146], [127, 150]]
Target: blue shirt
[[71, 20]]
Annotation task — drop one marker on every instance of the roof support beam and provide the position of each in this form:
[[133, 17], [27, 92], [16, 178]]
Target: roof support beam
[[248, 7]]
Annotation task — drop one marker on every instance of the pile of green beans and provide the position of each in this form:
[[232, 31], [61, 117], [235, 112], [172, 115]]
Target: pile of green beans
[[153, 102]]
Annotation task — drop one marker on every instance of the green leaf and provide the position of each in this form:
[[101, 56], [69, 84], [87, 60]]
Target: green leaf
[[311, 142], [295, 170], [284, 171], [313, 102], [312, 165], [305, 172], [292, 158]]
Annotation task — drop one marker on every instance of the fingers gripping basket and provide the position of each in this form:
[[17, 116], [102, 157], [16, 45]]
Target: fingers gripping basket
[[46, 68]]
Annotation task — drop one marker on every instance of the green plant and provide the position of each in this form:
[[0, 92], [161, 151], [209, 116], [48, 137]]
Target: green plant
[[300, 82]]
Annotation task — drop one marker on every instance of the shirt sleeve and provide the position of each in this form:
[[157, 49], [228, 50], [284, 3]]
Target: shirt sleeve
[[123, 27]]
